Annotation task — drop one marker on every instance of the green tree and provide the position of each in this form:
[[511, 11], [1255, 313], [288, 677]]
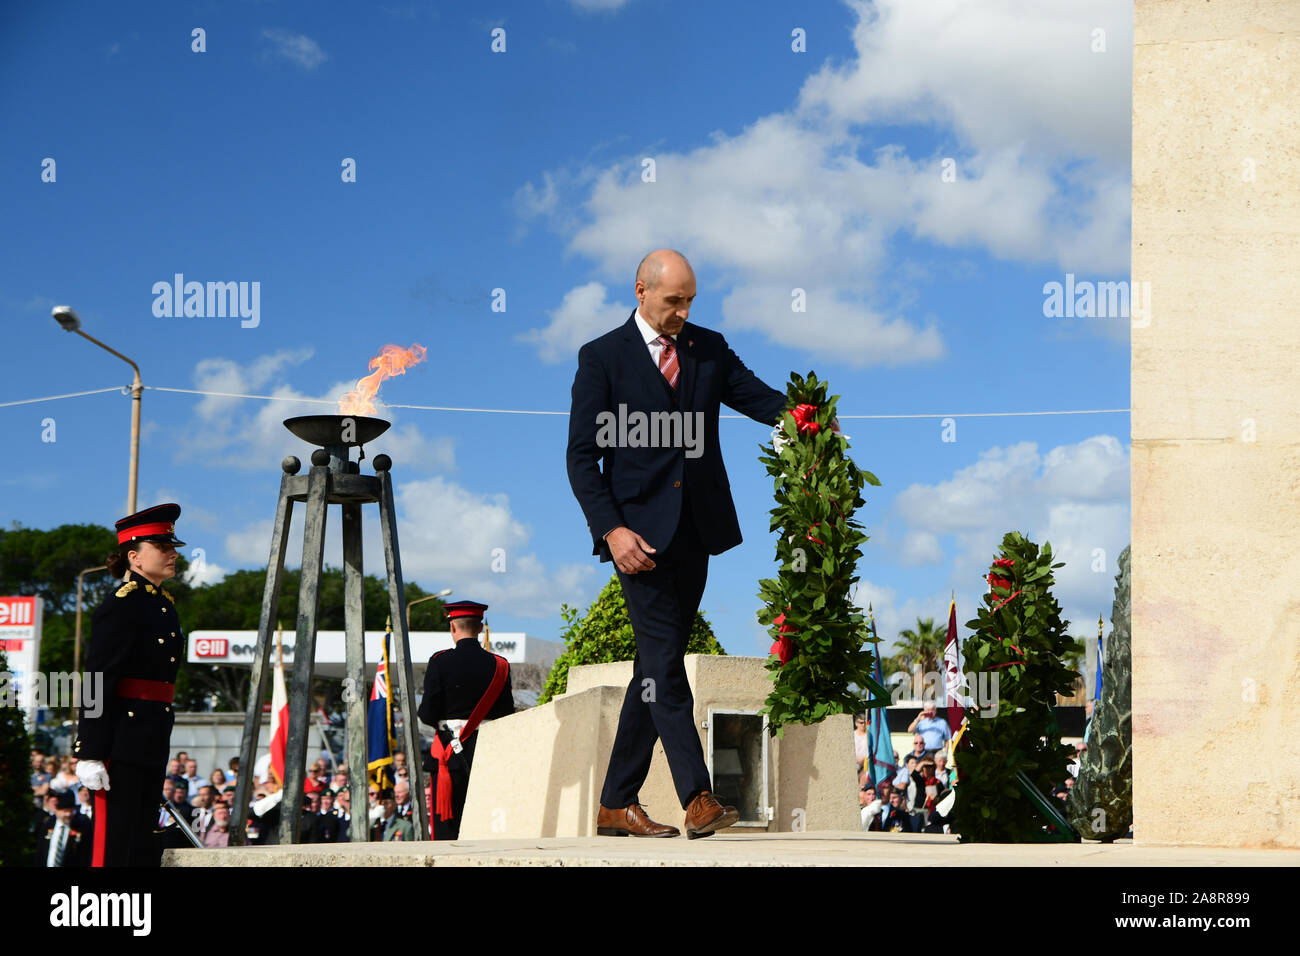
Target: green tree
[[605, 634], [235, 603], [922, 645], [16, 839], [46, 564]]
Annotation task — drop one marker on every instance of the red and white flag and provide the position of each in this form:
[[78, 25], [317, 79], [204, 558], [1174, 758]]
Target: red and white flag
[[279, 720]]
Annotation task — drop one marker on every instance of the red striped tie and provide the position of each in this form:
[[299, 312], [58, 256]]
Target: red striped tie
[[668, 360]]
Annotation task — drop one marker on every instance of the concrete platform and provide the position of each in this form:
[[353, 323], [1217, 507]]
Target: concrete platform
[[823, 848]]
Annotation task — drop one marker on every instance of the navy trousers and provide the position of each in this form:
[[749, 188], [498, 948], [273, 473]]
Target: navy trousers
[[658, 705], [132, 816]]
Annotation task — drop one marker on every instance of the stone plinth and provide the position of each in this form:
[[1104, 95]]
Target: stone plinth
[[539, 773]]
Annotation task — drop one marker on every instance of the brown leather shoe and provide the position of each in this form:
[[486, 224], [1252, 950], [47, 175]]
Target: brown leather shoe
[[705, 816], [631, 821]]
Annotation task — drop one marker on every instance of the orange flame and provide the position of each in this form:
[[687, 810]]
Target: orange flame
[[391, 360]]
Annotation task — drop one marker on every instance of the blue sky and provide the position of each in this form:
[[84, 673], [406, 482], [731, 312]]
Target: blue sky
[[822, 170]]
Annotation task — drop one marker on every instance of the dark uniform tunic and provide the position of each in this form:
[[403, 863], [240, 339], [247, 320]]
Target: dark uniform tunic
[[454, 682], [135, 634]]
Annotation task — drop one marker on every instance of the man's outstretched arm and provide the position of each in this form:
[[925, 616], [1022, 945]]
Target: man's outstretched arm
[[746, 393]]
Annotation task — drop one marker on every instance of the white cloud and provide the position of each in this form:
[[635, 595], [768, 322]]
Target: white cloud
[[831, 328], [447, 536], [1000, 73], [298, 49], [250, 433], [584, 313], [590, 6], [1075, 496], [1037, 124], [920, 547], [204, 572]]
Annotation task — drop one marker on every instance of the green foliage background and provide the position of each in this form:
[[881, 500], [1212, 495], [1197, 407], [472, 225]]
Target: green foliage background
[[46, 563], [605, 634], [16, 809], [818, 488], [1023, 736]]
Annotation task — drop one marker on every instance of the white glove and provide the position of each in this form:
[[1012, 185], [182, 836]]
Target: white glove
[[945, 805], [779, 440], [93, 774], [262, 807]]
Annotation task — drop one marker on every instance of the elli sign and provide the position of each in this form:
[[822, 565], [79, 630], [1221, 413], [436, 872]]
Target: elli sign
[[20, 639]]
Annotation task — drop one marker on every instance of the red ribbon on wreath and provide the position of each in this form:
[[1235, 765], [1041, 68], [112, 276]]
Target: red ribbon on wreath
[[803, 419], [1022, 660], [1005, 600], [783, 647]]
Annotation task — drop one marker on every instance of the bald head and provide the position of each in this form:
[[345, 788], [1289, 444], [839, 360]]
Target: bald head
[[665, 289], [652, 267]]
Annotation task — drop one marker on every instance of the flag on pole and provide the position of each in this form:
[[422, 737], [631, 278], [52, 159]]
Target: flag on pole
[[880, 750], [1096, 693], [279, 715], [379, 726], [956, 698]]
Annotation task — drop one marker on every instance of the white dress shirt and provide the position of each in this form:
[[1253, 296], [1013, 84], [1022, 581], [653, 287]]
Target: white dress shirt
[[651, 337]]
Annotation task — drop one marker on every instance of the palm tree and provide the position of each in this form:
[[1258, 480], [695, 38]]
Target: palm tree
[[920, 646]]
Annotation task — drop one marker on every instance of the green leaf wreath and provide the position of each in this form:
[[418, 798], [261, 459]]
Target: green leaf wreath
[[1019, 635], [822, 657]]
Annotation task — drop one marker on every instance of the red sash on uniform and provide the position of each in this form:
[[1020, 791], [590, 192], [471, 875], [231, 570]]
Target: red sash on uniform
[[442, 754], [161, 691], [101, 824]]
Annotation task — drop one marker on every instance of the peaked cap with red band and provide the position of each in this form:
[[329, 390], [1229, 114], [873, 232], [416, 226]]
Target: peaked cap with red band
[[156, 524], [470, 609]]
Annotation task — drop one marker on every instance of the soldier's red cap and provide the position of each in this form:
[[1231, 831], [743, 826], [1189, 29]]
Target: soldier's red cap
[[464, 609], [153, 524]]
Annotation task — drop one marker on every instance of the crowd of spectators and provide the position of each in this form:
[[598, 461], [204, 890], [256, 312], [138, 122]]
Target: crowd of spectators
[[63, 811], [916, 794]]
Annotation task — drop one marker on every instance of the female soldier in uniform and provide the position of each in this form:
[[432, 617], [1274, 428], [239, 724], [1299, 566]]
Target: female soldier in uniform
[[136, 643]]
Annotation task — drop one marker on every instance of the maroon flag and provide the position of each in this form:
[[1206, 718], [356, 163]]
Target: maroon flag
[[952, 674]]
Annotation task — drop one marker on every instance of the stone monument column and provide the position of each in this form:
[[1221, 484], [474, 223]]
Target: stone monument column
[[1216, 423]]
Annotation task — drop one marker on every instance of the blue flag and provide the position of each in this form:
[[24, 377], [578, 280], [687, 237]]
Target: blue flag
[[880, 749], [1096, 693], [379, 727]]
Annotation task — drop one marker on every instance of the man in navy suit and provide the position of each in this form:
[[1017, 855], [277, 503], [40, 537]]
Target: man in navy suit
[[645, 403]]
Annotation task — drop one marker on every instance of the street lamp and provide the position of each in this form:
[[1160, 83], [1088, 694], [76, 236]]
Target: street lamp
[[76, 666], [443, 593], [71, 322]]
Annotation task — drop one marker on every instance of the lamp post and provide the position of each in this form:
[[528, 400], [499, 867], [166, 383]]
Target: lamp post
[[443, 593], [76, 666], [68, 318]]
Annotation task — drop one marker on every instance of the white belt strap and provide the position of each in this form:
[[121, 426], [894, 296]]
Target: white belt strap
[[453, 727]]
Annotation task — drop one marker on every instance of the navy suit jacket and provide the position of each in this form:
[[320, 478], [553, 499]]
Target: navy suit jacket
[[645, 487]]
